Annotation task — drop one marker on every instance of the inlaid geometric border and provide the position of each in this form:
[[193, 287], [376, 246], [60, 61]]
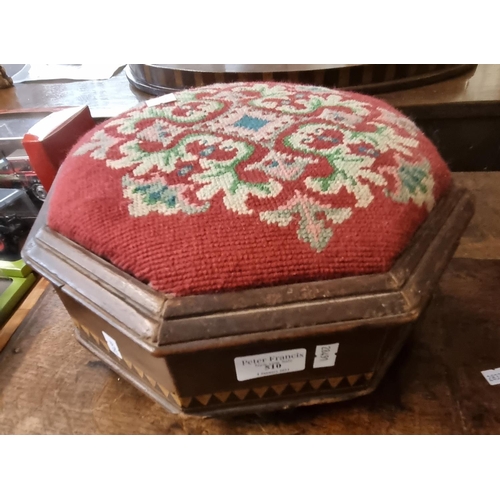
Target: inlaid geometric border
[[160, 389], [282, 390], [369, 77], [268, 392]]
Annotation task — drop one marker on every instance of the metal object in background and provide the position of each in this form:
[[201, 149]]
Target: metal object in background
[[17, 215], [16, 172], [159, 79], [14, 125]]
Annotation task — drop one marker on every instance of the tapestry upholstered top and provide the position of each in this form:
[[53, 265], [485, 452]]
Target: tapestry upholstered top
[[244, 185]]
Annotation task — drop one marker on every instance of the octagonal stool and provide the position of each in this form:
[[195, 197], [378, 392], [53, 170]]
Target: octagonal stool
[[250, 246]]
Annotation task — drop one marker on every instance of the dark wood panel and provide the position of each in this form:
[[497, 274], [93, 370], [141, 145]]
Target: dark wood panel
[[467, 144], [481, 239]]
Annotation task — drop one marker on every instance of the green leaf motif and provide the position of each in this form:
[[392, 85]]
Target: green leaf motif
[[414, 183], [156, 196], [278, 98], [311, 227], [168, 172], [221, 176], [197, 111]]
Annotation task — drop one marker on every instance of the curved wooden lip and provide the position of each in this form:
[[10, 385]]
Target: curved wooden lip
[[396, 297], [249, 68], [326, 289], [367, 78], [162, 324]]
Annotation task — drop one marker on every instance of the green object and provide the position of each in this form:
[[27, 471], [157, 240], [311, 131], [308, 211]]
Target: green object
[[14, 269], [13, 293]]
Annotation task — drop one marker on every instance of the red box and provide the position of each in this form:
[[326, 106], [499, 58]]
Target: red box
[[48, 142]]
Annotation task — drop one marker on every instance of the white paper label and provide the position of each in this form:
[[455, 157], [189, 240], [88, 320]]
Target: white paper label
[[161, 100], [270, 363], [492, 376], [325, 355], [113, 346]]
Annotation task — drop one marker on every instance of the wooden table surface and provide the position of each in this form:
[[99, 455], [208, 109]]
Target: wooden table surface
[[49, 384], [107, 98]]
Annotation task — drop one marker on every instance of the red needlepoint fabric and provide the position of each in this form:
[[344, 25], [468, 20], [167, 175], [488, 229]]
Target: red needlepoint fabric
[[245, 185]]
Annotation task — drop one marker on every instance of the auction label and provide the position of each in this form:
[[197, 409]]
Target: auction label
[[325, 355], [270, 363], [113, 346], [492, 376]]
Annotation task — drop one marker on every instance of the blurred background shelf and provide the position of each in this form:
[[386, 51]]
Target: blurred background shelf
[[460, 114]]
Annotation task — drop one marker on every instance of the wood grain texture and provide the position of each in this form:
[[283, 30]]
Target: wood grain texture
[[481, 239], [49, 384], [481, 86], [18, 315], [460, 115], [105, 98], [158, 79], [109, 97]]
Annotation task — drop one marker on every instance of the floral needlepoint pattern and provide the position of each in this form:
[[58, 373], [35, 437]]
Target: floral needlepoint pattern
[[99, 146], [414, 183], [242, 185], [311, 229], [282, 166], [154, 195]]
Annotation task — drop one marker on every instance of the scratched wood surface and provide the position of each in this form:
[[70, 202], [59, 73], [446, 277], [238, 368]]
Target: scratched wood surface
[[482, 238], [49, 384], [109, 97]]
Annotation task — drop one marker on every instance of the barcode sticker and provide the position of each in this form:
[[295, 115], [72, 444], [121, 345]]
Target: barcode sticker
[[113, 346], [492, 376], [326, 355], [163, 99]]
